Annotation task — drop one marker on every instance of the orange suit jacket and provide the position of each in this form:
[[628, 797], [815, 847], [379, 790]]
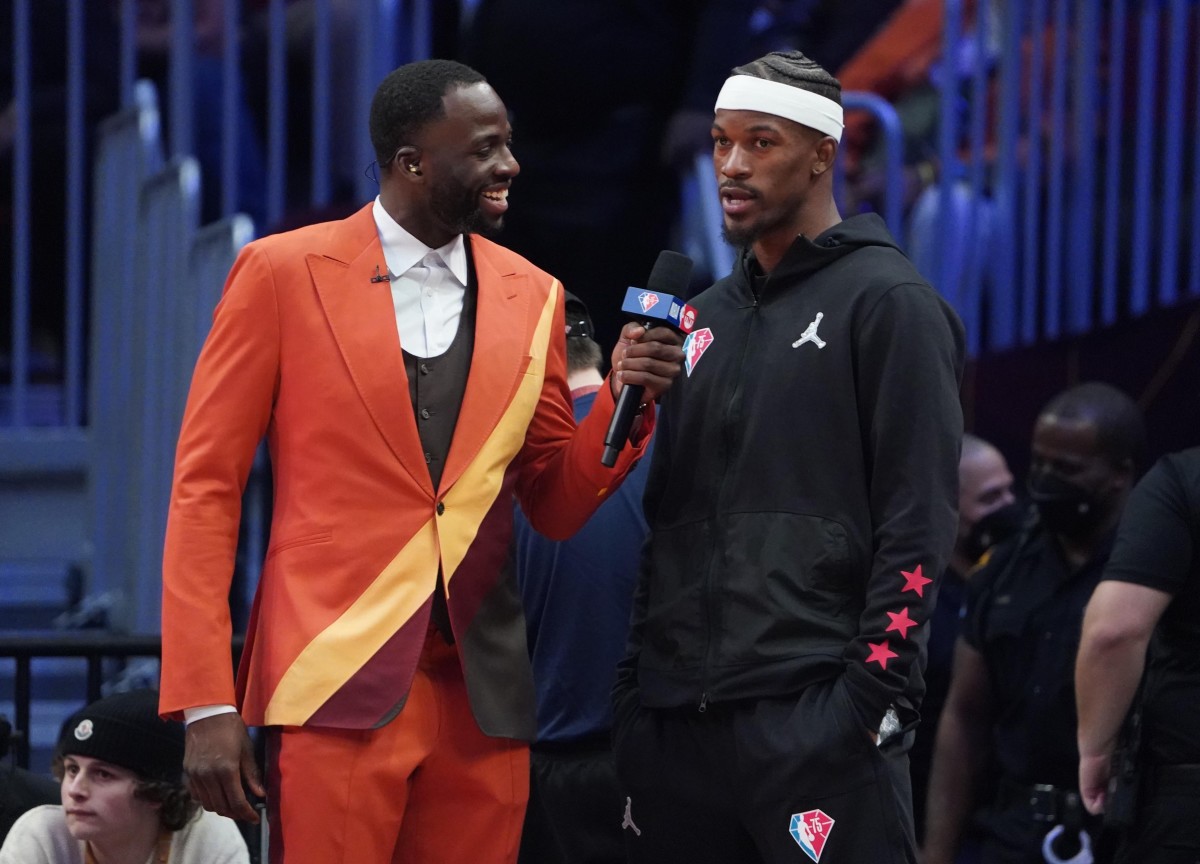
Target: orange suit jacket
[[304, 349]]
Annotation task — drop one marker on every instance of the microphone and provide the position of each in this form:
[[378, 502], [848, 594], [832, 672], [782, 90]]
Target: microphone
[[381, 277], [655, 305]]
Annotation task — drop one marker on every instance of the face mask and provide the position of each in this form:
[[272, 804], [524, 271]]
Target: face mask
[[995, 527], [1065, 508]]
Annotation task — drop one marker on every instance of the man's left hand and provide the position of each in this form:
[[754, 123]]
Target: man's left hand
[[650, 358]]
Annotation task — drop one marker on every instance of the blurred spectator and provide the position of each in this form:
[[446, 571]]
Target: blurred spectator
[[1012, 695], [597, 144], [20, 790], [123, 800]]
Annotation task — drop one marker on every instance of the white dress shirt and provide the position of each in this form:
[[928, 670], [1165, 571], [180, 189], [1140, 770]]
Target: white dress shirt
[[428, 286]]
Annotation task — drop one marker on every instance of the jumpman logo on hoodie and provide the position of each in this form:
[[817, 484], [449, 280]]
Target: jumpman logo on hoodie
[[810, 333]]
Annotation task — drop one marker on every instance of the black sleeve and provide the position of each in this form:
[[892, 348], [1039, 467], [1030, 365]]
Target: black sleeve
[[656, 478], [1156, 540], [909, 357]]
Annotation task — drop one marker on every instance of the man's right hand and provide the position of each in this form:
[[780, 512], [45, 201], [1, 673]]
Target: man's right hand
[[218, 759], [1094, 774]]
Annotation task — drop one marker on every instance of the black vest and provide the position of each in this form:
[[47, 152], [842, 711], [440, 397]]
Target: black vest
[[436, 386]]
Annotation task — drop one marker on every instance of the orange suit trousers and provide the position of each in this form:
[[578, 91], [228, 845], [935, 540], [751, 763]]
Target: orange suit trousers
[[427, 788]]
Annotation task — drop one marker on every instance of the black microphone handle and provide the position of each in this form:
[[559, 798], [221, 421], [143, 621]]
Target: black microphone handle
[[622, 419]]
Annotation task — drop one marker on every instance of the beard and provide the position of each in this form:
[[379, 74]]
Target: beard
[[746, 234], [741, 237], [457, 207]]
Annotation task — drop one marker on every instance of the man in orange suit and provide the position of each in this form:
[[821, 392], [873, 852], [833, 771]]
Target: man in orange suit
[[409, 376]]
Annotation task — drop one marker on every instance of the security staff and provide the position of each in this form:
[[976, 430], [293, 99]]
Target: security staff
[[1012, 698], [1151, 588]]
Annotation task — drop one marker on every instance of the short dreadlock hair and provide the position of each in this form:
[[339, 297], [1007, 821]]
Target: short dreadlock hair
[[409, 98], [792, 67]]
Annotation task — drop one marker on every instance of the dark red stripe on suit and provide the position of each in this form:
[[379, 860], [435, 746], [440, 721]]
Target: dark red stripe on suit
[[375, 690]]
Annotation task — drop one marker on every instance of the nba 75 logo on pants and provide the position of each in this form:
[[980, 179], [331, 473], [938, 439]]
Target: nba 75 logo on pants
[[810, 830]]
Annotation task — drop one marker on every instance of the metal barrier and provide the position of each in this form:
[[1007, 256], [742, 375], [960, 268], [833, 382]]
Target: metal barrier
[[888, 124], [1064, 170], [129, 150], [95, 649], [168, 218], [354, 43], [92, 647]]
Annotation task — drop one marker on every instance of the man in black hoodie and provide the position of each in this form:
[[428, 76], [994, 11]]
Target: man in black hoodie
[[801, 501]]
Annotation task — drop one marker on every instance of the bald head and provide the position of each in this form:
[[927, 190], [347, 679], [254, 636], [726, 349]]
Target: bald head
[[984, 486]]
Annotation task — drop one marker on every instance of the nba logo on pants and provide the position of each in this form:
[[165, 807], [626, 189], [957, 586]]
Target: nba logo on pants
[[810, 830]]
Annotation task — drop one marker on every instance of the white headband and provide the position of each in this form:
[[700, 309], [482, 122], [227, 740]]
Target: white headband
[[748, 93]]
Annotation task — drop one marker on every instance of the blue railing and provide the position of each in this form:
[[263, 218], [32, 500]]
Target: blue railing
[[892, 136], [1067, 182], [353, 46]]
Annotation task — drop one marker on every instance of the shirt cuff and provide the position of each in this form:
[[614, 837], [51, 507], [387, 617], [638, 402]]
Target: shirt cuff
[[202, 712]]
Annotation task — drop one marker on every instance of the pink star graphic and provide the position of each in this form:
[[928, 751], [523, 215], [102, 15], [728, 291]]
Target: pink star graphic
[[914, 581], [900, 622], [881, 653]]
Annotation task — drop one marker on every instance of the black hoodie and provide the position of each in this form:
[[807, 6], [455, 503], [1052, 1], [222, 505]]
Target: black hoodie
[[803, 490]]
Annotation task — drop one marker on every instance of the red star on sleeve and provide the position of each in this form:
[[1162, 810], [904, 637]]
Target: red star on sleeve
[[881, 653], [900, 622], [914, 580]]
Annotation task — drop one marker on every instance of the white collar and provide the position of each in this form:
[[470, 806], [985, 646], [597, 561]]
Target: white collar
[[404, 251]]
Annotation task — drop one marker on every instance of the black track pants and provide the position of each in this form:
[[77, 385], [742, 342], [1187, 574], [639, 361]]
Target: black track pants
[[794, 779]]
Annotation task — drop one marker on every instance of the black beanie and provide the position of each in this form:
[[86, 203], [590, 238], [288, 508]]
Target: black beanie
[[125, 729], [579, 320]]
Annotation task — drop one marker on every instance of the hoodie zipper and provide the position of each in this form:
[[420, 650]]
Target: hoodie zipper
[[730, 440]]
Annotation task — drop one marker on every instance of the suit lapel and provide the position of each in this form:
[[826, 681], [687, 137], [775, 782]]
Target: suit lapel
[[497, 360], [363, 321]]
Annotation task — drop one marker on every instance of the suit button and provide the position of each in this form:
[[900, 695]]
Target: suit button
[[441, 508], [424, 413], [428, 458], [424, 367]]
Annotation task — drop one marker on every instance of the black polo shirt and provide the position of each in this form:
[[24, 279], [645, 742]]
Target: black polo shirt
[[1158, 545], [1024, 611]]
